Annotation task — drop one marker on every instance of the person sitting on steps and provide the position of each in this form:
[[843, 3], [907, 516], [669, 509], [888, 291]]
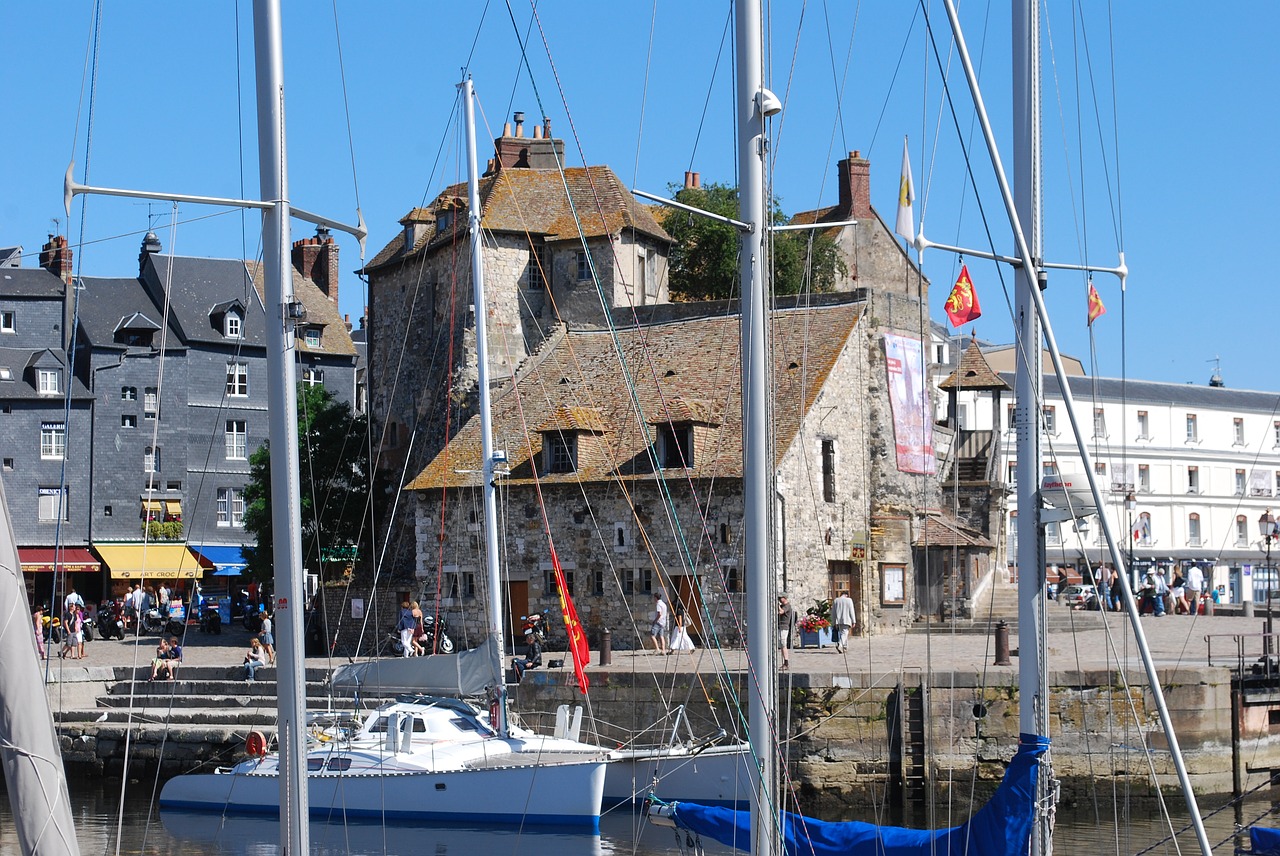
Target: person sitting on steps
[[254, 658]]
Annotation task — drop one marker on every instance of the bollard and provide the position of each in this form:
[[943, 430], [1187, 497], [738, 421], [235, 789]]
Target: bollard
[[1248, 609], [1002, 644], [606, 647]]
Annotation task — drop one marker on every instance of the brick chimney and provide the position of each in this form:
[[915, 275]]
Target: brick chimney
[[55, 257], [316, 259], [541, 151], [855, 187]]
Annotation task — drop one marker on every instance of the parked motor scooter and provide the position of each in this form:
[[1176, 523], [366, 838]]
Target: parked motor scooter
[[210, 617], [253, 616], [110, 619]]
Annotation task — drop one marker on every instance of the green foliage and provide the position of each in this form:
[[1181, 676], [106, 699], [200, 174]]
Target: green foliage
[[704, 257], [167, 530], [821, 608], [333, 474]]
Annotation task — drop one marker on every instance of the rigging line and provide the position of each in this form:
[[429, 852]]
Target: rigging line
[[791, 72], [239, 90], [1115, 124], [706, 103], [1080, 212], [644, 92], [346, 110], [1114, 199]]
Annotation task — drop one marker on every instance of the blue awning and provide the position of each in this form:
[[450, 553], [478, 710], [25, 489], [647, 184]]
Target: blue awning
[[228, 561]]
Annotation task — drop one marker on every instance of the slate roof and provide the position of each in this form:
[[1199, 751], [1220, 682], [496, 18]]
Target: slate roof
[[200, 284], [18, 385], [535, 201], [1085, 388], [691, 359], [106, 302], [30, 282], [973, 372], [943, 530]]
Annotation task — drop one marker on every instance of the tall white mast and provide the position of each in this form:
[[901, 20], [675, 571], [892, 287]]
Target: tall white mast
[[286, 519], [754, 104], [486, 421]]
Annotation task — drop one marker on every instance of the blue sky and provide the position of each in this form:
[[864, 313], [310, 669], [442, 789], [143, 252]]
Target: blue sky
[[1171, 148]]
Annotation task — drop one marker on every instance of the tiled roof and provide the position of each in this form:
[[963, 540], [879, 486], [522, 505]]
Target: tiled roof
[[680, 410], [574, 419], [973, 372], [535, 201], [941, 530], [336, 340], [690, 360]]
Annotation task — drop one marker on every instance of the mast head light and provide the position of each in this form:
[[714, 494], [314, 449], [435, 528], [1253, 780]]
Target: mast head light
[[767, 103]]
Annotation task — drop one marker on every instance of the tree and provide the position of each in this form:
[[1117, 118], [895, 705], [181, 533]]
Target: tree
[[333, 457], [704, 257]]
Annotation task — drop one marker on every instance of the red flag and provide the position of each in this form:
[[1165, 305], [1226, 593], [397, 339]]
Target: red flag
[[1096, 309], [962, 304], [577, 639]]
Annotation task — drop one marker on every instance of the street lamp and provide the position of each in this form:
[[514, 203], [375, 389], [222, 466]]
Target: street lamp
[[1131, 505], [1267, 528]]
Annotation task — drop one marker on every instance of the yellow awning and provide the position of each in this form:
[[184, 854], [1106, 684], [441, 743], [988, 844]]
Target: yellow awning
[[153, 505], [152, 561], [173, 506]]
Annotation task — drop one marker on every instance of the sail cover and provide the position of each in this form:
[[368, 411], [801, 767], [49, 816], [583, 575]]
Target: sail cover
[[1002, 827], [1264, 841], [467, 673]]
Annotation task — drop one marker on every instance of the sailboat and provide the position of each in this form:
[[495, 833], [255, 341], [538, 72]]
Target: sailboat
[[426, 756], [1018, 819]]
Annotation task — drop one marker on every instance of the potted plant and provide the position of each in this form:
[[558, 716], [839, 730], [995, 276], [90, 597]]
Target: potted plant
[[815, 626]]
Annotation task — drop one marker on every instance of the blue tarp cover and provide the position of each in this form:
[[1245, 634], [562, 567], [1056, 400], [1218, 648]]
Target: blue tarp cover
[[228, 560], [1265, 841], [1002, 827]]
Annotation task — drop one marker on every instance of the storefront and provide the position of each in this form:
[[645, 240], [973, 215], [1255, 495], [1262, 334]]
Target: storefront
[[223, 583], [149, 565], [43, 568]]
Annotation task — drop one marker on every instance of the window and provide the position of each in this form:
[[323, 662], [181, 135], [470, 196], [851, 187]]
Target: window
[[1144, 478], [128, 393], [733, 580], [232, 326], [128, 420], [1144, 426], [6, 373], [549, 579], [597, 583], [8, 464], [1012, 479], [561, 452], [1237, 426], [1193, 479], [459, 584], [1011, 418], [537, 272], [1240, 479], [1099, 423], [237, 432], [1049, 470], [53, 504], [313, 377], [1100, 469], [675, 445], [150, 403], [53, 440], [1275, 439], [1242, 531], [237, 380], [1013, 536], [47, 380], [151, 460], [1050, 420], [829, 470], [1052, 534], [230, 507], [1193, 431], [584, 265], [312, 337], [1193, 530], [6, 321]]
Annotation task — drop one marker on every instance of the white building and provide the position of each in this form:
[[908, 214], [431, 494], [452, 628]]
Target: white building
[[1200, 463]]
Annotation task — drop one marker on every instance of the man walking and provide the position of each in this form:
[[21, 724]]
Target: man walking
[[844, 619], [786, 629], [1195, 588], [658, 628]]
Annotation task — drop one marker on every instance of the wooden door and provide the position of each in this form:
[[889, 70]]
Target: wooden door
[[691, 596], [517, 606]]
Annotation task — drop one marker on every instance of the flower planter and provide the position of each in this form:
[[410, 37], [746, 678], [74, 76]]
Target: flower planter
[[819, 639]]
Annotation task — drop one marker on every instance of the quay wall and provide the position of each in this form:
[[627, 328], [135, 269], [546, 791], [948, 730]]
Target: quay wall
[[850, 740]]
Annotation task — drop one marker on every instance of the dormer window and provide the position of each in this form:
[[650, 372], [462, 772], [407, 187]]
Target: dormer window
[[675, 446], [312, 337], [48, 381], [233, 325], [135, 331], [560, 451]]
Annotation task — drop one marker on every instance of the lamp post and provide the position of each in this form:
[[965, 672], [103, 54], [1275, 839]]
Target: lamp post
[[1131, 505], [1267, 528]]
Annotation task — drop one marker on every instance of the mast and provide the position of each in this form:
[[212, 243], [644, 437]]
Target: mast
[[1033, 691], [753, 102], [286, 522], [486, 421], [29, 752]]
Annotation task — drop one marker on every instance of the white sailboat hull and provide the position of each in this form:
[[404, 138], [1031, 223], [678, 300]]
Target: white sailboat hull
[[719, 775], [565, 794]]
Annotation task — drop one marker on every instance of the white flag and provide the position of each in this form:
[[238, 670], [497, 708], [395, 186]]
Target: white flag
[[906, 226]]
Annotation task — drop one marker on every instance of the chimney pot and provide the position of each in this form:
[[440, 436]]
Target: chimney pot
[[519, 120], [546, 127], [537, 132], [697, 179]]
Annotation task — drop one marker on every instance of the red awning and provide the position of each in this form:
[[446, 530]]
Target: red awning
[[37, 560]]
